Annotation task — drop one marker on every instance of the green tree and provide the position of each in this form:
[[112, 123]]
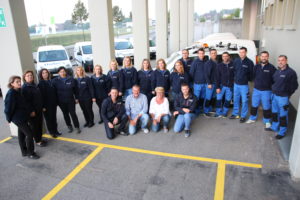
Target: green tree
[[237, 12], [118, 14], [80, 15]]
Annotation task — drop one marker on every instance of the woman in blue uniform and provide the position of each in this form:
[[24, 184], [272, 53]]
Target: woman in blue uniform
[[161, 76], [130, 76], [116, 77], [177, 78], [144, 79]]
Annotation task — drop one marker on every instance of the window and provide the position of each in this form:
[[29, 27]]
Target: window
[[87, 49], [54, 55], [279, 13]]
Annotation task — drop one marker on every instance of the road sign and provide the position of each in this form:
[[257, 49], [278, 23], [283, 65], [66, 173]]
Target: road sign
[[2, 18]]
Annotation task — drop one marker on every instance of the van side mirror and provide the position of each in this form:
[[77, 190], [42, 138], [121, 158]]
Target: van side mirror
[[71, 57], [79, 53], [34, 60]]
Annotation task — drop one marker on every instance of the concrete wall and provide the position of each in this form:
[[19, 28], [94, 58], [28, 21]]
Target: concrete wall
[[231, 25]]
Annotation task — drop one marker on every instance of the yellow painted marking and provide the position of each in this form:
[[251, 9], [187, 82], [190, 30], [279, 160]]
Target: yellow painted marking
[[75, 171], [220, 181], [213, 160], [6, 139]]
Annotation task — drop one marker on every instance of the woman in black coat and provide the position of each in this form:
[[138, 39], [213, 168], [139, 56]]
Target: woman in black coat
[[33, 98], [16, 111], [49, 99], [101, 84], [144, 79]]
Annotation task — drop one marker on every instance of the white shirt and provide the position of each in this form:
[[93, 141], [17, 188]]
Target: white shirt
[[158, 109]]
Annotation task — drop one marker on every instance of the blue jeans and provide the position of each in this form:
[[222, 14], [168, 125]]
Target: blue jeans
[[183, 121], [238, 92], [165, 120], [280, 114], [209, 94], [223, 109], [263, 97], [199, 92], [142, 121]]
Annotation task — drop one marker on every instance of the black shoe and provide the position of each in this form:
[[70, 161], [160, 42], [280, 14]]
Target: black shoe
[[24, 154], [242, 120], [268, 129], [33, 156], [70, 129], [54, 135], [78, 130], [234, 117], [278, 137], [187, 133], [123, 133], [100, 122], [86, 125], [91, 124], [58, 133], [42, 143]]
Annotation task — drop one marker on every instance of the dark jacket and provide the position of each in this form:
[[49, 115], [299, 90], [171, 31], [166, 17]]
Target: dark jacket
[[285, 82], [117, 80], [130, 77], [263, 76], [110, 110], [161, 79], [197, 72], [101, 86], [15, 107], [181, 102], [66, 89], [33, 97], [48, 93], [210, 68], [225, 75], [85, 88], [177, 79], [187, 64], [144, 80], [243, 71]]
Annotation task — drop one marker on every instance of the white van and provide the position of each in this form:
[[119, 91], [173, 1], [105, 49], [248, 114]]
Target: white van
[[123, 48], [52, 57], [83, 55]]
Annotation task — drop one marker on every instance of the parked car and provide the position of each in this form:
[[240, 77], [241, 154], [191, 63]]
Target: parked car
[[83, 55]]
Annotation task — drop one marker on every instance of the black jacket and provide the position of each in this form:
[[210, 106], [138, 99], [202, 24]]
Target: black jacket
[[210, 68], [110, 110], [66, 89], [225, 75], [144, 80], [187, 64], [263, 76], [48, 93], [197, 72], [15, 107], [85, 88], [161, 79], [243, 71], [285, 82], [101, 86], [33, 97], [117, 80], [130, 77], [177, 79], [181, 102]]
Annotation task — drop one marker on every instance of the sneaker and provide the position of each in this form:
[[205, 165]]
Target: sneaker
[[78, 130], [250, 121], [70, 129], [146, 130], [217, 116], [166, 130], [42, 143], [123, 133], [86, 125], [278, 137], [33, 156], [268, 125], [224, 116], [187, 133], [207, 115], [234, 117], [268, 129], [242, 120]]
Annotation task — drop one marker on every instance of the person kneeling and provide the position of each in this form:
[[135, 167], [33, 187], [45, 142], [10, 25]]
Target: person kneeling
[[113, 114], [185, 105]]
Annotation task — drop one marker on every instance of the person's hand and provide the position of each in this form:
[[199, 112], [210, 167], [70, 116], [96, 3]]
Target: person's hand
[[186, 110], [209, 86], [32, 114], [153, 92], [76, 101], [120, 93], [158, 119], [175, 113], [115, 121], [93, 99], [132, 122], [110, 125], [154, 121], [218, 90], [44, 109]]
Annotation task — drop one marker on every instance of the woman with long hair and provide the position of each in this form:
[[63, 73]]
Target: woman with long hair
[[161, 76], [130, 76], [144, 79], [116, 77]]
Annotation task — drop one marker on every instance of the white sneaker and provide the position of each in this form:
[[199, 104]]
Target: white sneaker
[[166, 130], [268, 125], [250, 121], [146, 130]]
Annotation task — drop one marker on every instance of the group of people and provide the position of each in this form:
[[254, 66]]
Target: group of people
[[127, 96]]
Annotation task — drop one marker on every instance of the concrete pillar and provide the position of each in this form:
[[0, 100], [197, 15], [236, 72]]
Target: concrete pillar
[[174, 26], [102, 33], [140, 30], [183, 24], [161, 7], [15, 45], [294, 159], [249, 19], [190, 22]]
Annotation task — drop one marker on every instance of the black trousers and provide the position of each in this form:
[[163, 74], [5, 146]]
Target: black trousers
[[25, 137], [69, 109], [87, 109], [99, 103], [110, 132], [50, 118], [36, 124]]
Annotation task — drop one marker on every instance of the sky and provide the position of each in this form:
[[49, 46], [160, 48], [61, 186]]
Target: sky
[[40, 11]]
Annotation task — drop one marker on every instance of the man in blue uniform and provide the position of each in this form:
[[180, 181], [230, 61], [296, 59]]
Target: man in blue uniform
[[186, 60]]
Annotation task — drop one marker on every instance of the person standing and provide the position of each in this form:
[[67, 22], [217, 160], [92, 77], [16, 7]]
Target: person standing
[[130, 76], [67, 92], [186, 60], [144, 79], [17, 111], [161, 76], [115, 77]]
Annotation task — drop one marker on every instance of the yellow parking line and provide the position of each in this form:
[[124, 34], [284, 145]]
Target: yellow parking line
[[220, 181], [213, 160], [75, 171], [6, 139]]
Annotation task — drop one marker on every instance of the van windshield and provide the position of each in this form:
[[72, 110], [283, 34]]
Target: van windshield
[[123, 45], [87, 49], [53, 55]]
